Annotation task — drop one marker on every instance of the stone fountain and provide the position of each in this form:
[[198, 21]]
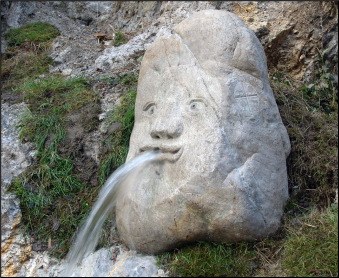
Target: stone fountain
[[208, 126], [205, 102]]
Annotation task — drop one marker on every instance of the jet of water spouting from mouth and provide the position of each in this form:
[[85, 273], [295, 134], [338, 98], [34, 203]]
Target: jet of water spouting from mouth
[[89, 234]]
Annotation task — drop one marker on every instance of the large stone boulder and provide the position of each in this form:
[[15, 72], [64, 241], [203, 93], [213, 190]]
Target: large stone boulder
[[205, 101]]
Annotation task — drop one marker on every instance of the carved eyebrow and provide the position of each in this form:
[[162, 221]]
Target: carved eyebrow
[[148, 105], [200, 99]]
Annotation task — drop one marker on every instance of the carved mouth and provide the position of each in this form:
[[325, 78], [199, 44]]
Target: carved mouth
[[169, 153]]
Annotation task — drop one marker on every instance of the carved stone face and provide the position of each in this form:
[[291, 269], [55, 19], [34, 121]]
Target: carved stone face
[[177, 116], [205, 102]]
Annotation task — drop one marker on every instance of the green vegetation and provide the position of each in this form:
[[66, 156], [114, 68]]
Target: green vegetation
[[209, 260], [116, 144], [311, 247], [56, 91], [34, 33], [24, 66], [322, 94], [313, 162], [49, 188], [27, 56], [54, 195], [119, 39]]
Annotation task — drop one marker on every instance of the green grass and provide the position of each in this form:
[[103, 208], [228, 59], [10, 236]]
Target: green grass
[[119, 39], [56, 91], [205, 259], [311, 248], [117, 143], [27, 54], [37, 32], [50, 99], [322, 93], [53, 198], [25, 65], [49, 189]]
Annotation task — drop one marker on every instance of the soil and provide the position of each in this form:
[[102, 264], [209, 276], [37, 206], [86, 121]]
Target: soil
[[80, 125]]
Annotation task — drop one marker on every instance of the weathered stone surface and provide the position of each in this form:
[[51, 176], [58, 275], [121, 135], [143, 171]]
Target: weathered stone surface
[[40, 264], [205, 101], [15, 158], [115, 261], [15, 247], [292, 33], [105, 262], [126, 264], [124, 58]]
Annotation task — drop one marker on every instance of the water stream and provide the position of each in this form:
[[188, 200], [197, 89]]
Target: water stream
[[89, 234]]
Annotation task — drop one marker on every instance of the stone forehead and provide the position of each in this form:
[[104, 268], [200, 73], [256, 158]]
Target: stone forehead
[[216, 41], [170, 64]]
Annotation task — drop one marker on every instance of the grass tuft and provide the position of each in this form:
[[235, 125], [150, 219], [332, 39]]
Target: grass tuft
[[56, 91], [311, 248], [23, 66], [205, 259], [37, 32], [120, 39], [26, 56], [49, 190]]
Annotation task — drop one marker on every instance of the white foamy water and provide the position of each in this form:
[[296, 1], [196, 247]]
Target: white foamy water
[[89, 234]]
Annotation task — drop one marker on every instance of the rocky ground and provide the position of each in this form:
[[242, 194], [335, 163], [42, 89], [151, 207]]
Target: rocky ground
[[292, 34]]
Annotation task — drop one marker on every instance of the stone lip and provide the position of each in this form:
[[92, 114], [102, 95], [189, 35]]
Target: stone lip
[[170, 153]]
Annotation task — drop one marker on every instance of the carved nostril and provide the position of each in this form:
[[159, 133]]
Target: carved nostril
[[155, 135], [167, 130], [163, 135]]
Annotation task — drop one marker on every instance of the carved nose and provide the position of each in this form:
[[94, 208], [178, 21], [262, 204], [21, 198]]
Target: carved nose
[[167, 129]]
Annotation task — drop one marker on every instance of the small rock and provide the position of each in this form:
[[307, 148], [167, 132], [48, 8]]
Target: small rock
[[302, 58], [66, 72]]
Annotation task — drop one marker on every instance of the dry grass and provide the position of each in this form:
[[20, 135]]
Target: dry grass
[[313, 162]]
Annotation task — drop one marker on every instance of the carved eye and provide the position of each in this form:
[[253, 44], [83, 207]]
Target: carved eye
[[196, 105], [150, 108]]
